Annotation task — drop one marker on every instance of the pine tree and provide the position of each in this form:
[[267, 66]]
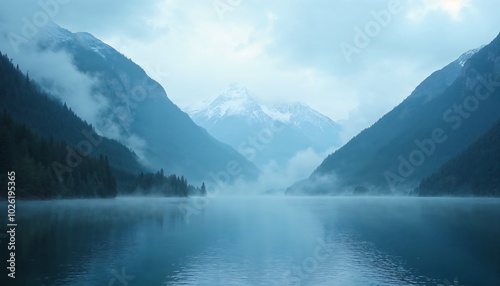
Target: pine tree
[[203, 189]]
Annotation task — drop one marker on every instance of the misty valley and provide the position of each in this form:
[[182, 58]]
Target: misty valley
[[388, 175]]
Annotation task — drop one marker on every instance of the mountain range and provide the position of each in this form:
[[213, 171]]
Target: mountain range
[[438, 141], [134, 110], [445, 114], [265, 132]]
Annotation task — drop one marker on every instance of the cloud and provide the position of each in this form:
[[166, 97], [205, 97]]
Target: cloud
[[57, 75], [55, 72], [274, 179], [291, 52], [452, 8], [285, 50]]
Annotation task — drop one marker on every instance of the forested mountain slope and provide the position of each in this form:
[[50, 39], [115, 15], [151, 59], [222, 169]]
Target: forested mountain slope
[[475, 171], [445, 114]]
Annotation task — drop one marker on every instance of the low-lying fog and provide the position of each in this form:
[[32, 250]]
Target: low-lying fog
[[259, 241]]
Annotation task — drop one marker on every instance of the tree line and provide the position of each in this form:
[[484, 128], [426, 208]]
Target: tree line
[[475, 171], [35, 134], [32, 158], [160, 184]]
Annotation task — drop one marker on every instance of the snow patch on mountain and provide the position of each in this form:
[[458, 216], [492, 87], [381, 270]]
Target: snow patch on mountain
[[467, 55], [52, 34], [93, 43], [276, 114], [236, 118], [237, 101]]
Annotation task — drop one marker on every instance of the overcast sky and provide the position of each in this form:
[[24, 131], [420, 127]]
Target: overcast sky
[[284, 50]]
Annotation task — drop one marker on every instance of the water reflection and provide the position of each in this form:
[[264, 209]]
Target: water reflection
[[259, 241]]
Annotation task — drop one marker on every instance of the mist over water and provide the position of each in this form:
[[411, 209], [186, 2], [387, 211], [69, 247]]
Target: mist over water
[[259, 241]]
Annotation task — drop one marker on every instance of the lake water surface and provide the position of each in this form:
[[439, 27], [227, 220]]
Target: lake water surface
[[257, 241]]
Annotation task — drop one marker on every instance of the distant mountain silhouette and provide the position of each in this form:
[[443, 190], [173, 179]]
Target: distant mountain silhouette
[[266, 133]]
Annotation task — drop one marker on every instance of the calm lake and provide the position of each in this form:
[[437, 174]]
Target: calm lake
[[257, 241]]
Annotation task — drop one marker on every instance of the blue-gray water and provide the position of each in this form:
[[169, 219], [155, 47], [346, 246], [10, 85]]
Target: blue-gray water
[[258, 241]]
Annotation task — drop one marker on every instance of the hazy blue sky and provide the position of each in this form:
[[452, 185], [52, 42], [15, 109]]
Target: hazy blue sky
[[284, 50]]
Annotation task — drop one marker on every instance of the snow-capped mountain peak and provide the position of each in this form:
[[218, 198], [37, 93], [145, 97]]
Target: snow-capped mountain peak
[[235, 91], [234, 101], [236, 118]]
